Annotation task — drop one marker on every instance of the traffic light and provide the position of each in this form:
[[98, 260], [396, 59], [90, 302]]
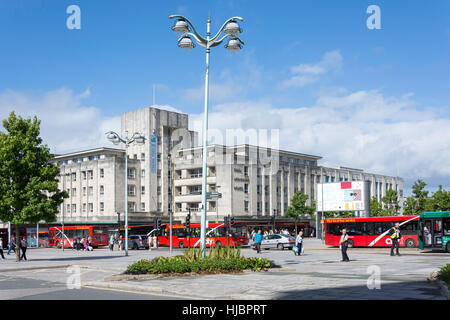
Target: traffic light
[[231, 221], [225, 223], [188, 220]]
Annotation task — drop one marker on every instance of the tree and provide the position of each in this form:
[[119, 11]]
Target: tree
[[391, 203], [411, 207], [299, 208], [376, 208], [420, 196], [28, 182], [440, 201]]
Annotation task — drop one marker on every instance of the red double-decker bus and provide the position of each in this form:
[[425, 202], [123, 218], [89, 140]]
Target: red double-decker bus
[[98, 234], [216, 235], [371, 232]]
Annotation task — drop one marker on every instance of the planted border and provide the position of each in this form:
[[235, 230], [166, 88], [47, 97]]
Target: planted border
[[219, 260]]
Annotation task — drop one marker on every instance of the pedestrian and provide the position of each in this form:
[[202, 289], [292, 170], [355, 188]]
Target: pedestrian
[[258, 240], [395, 238], [1, 248], [83, 243], [343, 244], [155, 241], [23, 246], [299, 243], [12, 245], [74, 244], [312, 233], [111, 243], [120, 244], [149, 242]]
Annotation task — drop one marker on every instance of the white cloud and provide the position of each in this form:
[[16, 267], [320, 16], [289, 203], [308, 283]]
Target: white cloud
[[66, 123], [304, 74], [363, 129]]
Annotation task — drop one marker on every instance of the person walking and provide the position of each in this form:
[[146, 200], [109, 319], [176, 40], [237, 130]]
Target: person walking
[[343, 244], [23, 246], [395, 238], [111, 243], [1, 248], [149, 242], [12, 245], [258, 240], [299, 243]]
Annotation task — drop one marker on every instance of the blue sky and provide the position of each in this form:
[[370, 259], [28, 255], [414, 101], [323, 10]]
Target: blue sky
[[125, 47]]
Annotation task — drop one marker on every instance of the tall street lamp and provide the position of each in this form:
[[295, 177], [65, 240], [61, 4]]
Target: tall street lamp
[[116, 139], [232, 29]]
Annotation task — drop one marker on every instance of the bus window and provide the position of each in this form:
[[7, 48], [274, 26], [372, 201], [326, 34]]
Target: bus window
[[354, 229], [334, 228], [437, 226], [446, 224], [409, 228]]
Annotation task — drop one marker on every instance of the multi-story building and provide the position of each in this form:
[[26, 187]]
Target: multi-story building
[[167, 169], [258, 182]]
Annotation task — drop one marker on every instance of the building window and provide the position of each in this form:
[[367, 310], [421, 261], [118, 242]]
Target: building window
[[258, 189], [102, 189], [91, 191], [74, 208], [246, 171], [142, 190], [258, 172], [91, 174], [131, 206], [258, 206], [68, 208], [142, 206], [84, 191], [158, 175], [158, 191], [159, 206], [131, 190], [84, 207], [74, 192], [142, 173], [131, 173], [246, 188], [91, 207], [267, 207], [83, 174], [102, 206], [246, 206], [158, 157], [102, 173], [74, 176], [142, 156]]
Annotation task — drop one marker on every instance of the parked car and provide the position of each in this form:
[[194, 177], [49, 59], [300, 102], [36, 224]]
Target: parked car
[[136, 242], [276, 241]]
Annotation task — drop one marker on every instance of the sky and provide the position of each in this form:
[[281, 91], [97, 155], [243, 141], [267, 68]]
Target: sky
[[374, 99]]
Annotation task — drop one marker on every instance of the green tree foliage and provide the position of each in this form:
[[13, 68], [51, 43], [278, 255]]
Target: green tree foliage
[[28, 182], [376, 208], [298, 208], [391, 203], [440, 201]]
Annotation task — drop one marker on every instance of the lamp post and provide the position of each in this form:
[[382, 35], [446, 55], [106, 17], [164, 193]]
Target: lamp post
[[116, 139], [232, 29]]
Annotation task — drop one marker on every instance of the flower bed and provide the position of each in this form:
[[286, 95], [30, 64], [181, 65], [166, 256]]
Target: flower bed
[[444, 274], [219, 260]]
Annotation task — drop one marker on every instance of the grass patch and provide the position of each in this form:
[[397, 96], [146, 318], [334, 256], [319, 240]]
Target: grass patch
[[444, 274], [218, 260]]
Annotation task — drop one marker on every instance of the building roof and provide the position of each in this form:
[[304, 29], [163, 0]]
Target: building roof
[[87, 152]]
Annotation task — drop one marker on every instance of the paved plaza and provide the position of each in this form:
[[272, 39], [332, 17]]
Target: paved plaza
[[318, 274]]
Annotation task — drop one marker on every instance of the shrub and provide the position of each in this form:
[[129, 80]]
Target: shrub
[[226, 259], [444, 274]]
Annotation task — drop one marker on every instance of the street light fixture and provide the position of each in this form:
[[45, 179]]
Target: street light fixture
[[231, 29], [116, 139]]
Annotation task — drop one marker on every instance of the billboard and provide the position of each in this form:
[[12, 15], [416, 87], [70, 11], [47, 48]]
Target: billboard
[[343, 196]]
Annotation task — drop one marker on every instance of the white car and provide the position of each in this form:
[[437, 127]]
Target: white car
[[276, 241]]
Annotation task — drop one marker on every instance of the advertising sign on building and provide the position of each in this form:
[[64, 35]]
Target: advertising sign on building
[[343, 196]]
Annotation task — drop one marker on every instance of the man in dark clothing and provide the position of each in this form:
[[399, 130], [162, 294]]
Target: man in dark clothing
[[395, 238], [343, 243], [23, 246]]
